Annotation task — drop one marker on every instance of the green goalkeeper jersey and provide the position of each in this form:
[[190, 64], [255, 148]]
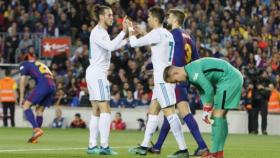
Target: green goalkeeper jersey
[[210, 75]]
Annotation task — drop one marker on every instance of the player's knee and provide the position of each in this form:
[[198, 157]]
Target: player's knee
[[96, 112], [26, 105], [104, 107], [219, 113], [154, 108], [95, 109], [39, 110], [169, 110], [39, 113], [183, 108], [153, 111], [105, 110]]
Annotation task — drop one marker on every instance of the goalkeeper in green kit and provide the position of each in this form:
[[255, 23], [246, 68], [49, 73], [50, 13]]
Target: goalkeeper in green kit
[[219, 85]]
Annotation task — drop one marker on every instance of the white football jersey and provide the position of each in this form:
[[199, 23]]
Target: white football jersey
[[100, 48], [162, 46]]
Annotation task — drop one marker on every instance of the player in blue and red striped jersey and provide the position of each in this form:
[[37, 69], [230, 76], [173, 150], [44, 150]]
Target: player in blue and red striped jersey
[[41, 96], [185, 51]]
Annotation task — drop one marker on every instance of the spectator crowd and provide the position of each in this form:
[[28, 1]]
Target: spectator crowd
[[244, 32]]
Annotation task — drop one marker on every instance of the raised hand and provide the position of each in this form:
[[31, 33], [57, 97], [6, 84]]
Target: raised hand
[[124, 24], [138, 30]]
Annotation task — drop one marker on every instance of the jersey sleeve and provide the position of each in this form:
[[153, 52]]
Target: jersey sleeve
[[149, 39], [198, 79], [23, 68], [110, 45], [195, 52], [123, 43]]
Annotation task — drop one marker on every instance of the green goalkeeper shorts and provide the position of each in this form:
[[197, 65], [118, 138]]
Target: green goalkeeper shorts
[[228, 91]]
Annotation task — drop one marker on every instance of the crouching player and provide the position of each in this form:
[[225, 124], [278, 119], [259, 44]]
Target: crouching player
[[41, 96], [219, 85]]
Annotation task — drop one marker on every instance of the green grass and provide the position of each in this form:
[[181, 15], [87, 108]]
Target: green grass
[[70, 143]]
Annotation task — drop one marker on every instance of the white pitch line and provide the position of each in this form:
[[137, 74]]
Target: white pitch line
[[56, 149]]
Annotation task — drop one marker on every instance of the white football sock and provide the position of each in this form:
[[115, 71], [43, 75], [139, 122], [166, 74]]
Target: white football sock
[[104, 128], [150, 129], [177, 131], [93, 130]]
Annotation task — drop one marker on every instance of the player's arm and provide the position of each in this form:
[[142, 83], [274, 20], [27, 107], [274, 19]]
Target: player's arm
[[149, 39], [123, 43], [206, 89], [22, 88], [110, 45], [23, 72], [116, 43], [195, 52]]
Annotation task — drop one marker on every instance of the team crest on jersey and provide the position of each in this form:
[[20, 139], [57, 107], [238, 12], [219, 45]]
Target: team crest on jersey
[[195, 77]]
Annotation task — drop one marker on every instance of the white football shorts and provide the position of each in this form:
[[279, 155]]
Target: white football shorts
[[99, 89], [164, 93]]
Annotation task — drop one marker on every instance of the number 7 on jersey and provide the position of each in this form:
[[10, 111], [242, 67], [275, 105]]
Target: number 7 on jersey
[[171, 45]]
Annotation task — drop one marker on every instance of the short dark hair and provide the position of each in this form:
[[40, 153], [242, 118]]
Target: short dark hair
[[99, 10], [78, 115], [158, 13], [180, 16], [166, 72], [116, 92], [119, 114]]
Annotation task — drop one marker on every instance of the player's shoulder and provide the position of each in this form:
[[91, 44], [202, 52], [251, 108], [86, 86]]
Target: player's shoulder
[[160, 31], [176, 31], [98, 29], [165, 33], [177, 34], [195, 63], [164, 30], [155, 31], [24, 63], [97, 32], [207, 59]]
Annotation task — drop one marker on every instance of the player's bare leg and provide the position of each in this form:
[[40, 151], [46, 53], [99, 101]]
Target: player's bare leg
[[94, 129], [104, 128], [37, 132], [151, 127], [183, 108], [219, 134], [176, 128]]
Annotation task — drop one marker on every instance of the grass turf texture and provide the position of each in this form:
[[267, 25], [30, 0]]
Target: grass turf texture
[[70, 143]]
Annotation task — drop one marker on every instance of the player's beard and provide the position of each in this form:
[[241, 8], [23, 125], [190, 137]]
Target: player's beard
[[110, 23]]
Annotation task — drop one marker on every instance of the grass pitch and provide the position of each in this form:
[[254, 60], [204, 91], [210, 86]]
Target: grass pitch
[[72, 143]]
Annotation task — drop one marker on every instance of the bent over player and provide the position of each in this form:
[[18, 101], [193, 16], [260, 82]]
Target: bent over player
[[41, 96], [219, 85]]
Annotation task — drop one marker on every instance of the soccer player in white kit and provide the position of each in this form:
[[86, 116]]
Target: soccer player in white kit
[[162, 46], [96, 77]]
